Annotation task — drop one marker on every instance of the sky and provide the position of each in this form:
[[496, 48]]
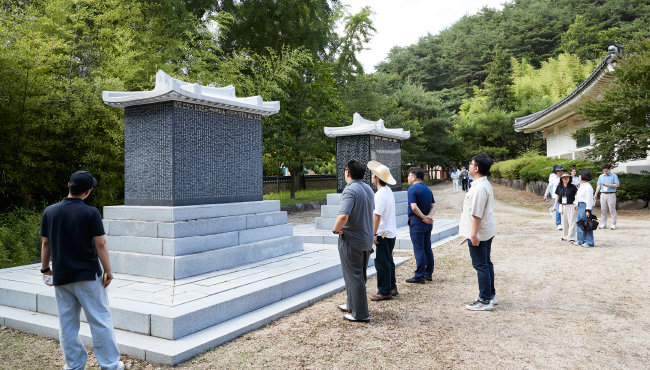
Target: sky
[[403, 22]]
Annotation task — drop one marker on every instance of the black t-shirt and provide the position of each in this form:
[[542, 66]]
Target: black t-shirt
[[569, 192], [70, 227]]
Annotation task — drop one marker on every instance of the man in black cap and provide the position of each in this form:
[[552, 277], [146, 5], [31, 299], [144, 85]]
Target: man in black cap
[[73, 235]]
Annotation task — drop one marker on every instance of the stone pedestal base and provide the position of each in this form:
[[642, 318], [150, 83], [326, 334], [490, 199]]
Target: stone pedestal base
[[331, 210], [178, 242]]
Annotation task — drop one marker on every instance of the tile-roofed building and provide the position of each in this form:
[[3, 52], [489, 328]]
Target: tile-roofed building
[[560, 121]]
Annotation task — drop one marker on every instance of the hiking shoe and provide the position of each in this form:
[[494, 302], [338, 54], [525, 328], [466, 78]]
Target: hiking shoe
[[428, 278], [381, 297], [559, 227], [415, 280], [613, 227], [480, 305], [343, 307]]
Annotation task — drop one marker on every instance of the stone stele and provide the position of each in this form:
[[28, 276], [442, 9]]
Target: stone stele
[[365, 141], [187, 144]]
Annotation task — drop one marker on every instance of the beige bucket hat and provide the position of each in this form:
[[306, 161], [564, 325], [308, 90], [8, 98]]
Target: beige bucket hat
[[382, 172]]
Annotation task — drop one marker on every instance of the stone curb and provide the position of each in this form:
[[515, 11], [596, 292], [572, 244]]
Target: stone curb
[[300, 207]]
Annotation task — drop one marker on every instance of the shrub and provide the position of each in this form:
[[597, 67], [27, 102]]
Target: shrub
[[510, 169], [19, 237], [633, 187], [538, 168]]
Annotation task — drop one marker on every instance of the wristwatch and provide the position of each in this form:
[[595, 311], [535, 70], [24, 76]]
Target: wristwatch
[[45, 270], [335, 232]]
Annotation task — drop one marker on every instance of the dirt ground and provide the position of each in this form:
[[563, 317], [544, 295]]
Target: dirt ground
[[560, 306]]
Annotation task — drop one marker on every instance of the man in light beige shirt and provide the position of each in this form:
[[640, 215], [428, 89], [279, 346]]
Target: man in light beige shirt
[[477, 225]]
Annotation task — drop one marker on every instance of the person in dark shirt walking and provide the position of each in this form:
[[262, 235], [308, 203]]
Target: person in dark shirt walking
[[73, 236]]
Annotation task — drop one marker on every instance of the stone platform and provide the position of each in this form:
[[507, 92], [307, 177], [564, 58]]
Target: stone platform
[[329, 212], [443, 230], [167, 321], [179, 242]]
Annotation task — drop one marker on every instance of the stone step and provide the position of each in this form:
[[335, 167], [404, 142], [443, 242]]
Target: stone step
[[331, 211], [182, 266], [184, 213], [314, 234], [172, 352], [335, 198], [189, 228], [154, 307], [195, 244]]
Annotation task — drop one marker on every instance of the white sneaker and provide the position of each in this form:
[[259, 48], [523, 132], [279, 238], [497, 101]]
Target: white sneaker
[[493, 300], [480, 305], [613, 227], [343, 307], [604, 226], [576, 243], [585, 245], [559, 227]]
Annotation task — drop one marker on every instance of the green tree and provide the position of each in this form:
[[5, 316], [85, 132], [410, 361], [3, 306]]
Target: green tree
[[357, 33], [57, 57], [622, 116], [262, 24], [295, 136], [498, 84]]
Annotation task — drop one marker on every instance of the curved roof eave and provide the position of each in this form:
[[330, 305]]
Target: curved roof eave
[[362, 126], [170, 89], [565, 107]]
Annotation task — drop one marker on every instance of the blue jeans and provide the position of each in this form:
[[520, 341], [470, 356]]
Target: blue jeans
[[483, 266], [588, 235], [385, 265], [558, 216], [421, 239], [90, 295]]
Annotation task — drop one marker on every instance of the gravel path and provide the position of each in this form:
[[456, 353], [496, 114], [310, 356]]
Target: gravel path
[[559, 306]]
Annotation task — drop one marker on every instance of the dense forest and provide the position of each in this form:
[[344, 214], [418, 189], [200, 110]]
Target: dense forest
[[457, 91]]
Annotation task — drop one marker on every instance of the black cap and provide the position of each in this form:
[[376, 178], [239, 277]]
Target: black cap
[[83, 180]]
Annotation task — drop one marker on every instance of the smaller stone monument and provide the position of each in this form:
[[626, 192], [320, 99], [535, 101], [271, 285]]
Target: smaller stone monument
[[366, 140]]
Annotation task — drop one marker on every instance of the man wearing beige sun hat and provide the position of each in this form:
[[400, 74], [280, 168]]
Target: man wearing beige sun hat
[[385, 231]]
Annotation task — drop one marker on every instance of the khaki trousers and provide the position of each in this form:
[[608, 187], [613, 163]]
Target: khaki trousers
[[607, 204], [569, 221]]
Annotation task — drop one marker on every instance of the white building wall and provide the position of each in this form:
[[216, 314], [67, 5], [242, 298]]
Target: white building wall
[[560, 144]]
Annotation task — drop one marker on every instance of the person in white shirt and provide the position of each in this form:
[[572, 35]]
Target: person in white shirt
[[553, 182], [385, 228], [478, 226], [583, 204], [455, 176]]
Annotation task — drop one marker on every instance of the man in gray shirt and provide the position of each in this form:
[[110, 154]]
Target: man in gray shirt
[[355, 229]]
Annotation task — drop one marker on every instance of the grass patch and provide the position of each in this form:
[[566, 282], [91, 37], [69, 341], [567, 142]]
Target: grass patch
[[302, 196]]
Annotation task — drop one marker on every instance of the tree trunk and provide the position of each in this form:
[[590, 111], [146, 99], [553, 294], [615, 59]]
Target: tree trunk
[[297, 180]]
